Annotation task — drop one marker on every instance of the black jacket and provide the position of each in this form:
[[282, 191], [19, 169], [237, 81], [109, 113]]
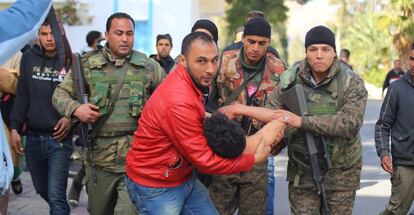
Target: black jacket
[[396, 120], [37, 82], [166, 63]]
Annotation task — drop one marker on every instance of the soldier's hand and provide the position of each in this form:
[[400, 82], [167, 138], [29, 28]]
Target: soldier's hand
[[87, 113], [262, 151], [288, 117], [16, 142], [386, 163], [61, 129]]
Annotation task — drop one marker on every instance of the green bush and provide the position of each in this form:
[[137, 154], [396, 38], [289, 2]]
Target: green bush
[[374, 76]]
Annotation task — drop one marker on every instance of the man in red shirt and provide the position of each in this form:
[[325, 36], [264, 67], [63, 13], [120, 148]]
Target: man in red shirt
[[169, 142]]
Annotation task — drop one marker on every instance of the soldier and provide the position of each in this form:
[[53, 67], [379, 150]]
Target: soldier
[[102, 69], [336, 99], [246, 76]]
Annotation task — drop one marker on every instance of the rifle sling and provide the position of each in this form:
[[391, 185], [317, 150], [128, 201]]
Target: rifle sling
[[114, 97], [236, 93]]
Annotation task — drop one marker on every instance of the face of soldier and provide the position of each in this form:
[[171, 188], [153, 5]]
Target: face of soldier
[[46, 40], [120, 37], [201, 62], [255, 47], [320, 58], [163, 48], [412, 63]]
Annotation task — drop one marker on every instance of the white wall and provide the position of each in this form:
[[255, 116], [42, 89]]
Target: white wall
[[173, 17]]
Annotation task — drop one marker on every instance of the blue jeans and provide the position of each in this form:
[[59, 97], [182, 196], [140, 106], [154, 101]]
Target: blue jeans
[[48, 164], [271, 188], [191, 197]]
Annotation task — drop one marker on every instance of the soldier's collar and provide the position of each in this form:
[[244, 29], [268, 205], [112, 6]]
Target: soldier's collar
[[112, 58]]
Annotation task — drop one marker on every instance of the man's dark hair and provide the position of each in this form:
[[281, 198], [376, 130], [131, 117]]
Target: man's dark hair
[[225, 137], [118, 15], [165, 37], [345, 52], [46, 22], [92, 36], [189, 39]]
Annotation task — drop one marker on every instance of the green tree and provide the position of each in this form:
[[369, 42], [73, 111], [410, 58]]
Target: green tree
[[361, 29], [274, 10], [400, 20]]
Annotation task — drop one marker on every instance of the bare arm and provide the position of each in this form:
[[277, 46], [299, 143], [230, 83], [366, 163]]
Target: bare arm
[[272, 132], [261, 114]]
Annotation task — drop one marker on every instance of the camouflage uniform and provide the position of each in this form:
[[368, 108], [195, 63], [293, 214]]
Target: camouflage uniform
[[337, 106], [101, 71], [246, 191]]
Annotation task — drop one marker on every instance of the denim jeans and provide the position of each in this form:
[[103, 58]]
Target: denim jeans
[[270, 199], [48, 164], [191, 197]]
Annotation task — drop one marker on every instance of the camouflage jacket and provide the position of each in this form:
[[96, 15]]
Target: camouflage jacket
[[100, 67], [232, 75], [338, 118]]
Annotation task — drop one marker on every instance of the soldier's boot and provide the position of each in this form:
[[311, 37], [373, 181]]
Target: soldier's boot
[[76, 187], [74, 193]]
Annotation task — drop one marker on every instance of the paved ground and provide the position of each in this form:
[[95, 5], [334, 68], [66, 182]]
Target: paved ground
[[371, 198]]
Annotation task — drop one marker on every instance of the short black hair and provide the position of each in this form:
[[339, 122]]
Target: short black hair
[[191, 37], [46, 22], [92, 36], [165, 37], [118, 15], [225, 137], [345, 52]]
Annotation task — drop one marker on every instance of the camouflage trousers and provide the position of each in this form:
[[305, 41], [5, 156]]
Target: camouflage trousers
[[402, 191], [307, 201], [245, 191]]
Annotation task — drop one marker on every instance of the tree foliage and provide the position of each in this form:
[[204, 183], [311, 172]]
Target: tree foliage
[[274, 10], [372, 30]]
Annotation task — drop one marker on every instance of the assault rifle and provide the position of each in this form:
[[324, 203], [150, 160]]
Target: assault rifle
[[82, 97], [294, 100]]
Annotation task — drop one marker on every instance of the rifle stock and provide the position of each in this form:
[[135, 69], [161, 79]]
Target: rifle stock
[[294, 100], [82, 97]]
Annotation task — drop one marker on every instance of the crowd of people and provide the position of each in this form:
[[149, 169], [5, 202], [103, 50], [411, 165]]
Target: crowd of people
[[195, 134]]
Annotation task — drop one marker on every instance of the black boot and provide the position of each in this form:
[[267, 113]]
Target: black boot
[[76, 188]]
